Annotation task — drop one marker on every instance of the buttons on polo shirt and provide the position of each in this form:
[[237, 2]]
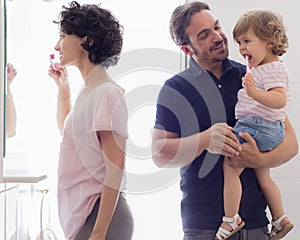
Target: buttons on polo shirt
[[219, 85]]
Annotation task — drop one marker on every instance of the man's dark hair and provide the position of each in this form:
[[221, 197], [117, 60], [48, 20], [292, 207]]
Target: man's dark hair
[[181, 19]]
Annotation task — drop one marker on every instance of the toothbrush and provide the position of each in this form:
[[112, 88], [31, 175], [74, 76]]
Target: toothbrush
[[51, 57], [248, 65]]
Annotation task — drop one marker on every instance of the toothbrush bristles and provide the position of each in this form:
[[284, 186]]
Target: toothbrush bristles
[[51, 56]]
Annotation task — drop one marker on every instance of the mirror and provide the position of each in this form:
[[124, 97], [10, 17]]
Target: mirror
[[2, 85], [25, 47]]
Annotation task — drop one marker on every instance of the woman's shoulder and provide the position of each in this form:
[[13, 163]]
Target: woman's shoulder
[[108, 92], [111, 88]]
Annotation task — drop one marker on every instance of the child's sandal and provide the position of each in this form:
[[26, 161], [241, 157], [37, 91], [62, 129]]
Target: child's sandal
[[223, 234], [278, 231]]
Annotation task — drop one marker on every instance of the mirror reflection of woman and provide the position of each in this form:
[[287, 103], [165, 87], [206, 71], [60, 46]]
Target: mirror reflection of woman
[[11, 116], [91, 179]]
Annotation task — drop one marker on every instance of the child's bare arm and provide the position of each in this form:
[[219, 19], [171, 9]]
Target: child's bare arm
[[273, 98]]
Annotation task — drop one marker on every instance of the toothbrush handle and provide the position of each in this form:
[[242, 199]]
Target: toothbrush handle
[[248, 68], [53, 65]]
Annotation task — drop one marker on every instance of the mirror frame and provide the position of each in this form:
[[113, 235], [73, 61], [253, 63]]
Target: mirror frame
[[2, 84]]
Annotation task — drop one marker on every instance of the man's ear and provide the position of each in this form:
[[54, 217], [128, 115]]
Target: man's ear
[[187, 50]]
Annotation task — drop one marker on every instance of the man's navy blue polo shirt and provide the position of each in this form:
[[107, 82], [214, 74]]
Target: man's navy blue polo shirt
[[188, 105]]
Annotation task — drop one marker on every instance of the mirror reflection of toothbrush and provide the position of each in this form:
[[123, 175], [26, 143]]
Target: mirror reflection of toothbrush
[[51, 57]]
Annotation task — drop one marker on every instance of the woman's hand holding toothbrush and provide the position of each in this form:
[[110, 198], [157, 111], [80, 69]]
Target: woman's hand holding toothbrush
[[60, 76], [58, 73]]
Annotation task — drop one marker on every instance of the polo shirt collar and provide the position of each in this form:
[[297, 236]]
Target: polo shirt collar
[[198, 70]]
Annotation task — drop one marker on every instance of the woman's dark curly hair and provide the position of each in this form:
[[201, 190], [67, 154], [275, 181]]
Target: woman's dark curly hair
[[102, 31]]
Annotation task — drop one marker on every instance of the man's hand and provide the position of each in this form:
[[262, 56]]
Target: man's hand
[[250, 156], [223, 140]]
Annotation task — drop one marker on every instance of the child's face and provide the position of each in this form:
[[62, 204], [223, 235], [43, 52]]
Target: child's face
[[258, 51]]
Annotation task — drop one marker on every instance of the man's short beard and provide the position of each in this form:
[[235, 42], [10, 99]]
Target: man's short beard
[[194, 50], [221, 59], [215, 59]]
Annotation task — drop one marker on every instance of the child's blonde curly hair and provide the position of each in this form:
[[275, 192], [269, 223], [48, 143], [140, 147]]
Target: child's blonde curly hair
[[267, 26]]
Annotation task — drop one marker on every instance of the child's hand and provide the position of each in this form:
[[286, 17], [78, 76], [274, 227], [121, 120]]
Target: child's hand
[[248, 84]]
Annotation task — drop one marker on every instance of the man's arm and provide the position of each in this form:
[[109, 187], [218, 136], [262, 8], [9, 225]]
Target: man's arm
[[169, 150], [251, 157]]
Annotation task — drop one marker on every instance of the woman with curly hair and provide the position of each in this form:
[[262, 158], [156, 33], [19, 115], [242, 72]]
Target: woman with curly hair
[[260, 111], [91, 179]]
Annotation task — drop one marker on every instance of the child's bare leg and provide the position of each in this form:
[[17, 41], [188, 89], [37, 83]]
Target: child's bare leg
[[232, 197], [232, 190], [271, 193]]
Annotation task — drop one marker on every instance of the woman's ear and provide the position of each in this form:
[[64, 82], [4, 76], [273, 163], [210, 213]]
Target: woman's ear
[[84, 39]]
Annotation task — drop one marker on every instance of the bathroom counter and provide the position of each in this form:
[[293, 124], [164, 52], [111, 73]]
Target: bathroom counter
[[22, 176]]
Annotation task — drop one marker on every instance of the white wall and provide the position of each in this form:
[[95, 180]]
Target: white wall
[[156, 211]]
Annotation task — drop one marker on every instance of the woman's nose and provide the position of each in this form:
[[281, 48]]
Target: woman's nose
[[56, 47]]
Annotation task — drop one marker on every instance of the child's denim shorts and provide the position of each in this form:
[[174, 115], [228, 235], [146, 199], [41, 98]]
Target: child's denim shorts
[[266, 133]]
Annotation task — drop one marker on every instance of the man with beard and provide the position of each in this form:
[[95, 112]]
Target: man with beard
[[195, 110]]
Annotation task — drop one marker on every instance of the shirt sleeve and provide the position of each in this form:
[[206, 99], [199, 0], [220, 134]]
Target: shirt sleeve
[[276, 77], [167, 115], [111, 111]]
